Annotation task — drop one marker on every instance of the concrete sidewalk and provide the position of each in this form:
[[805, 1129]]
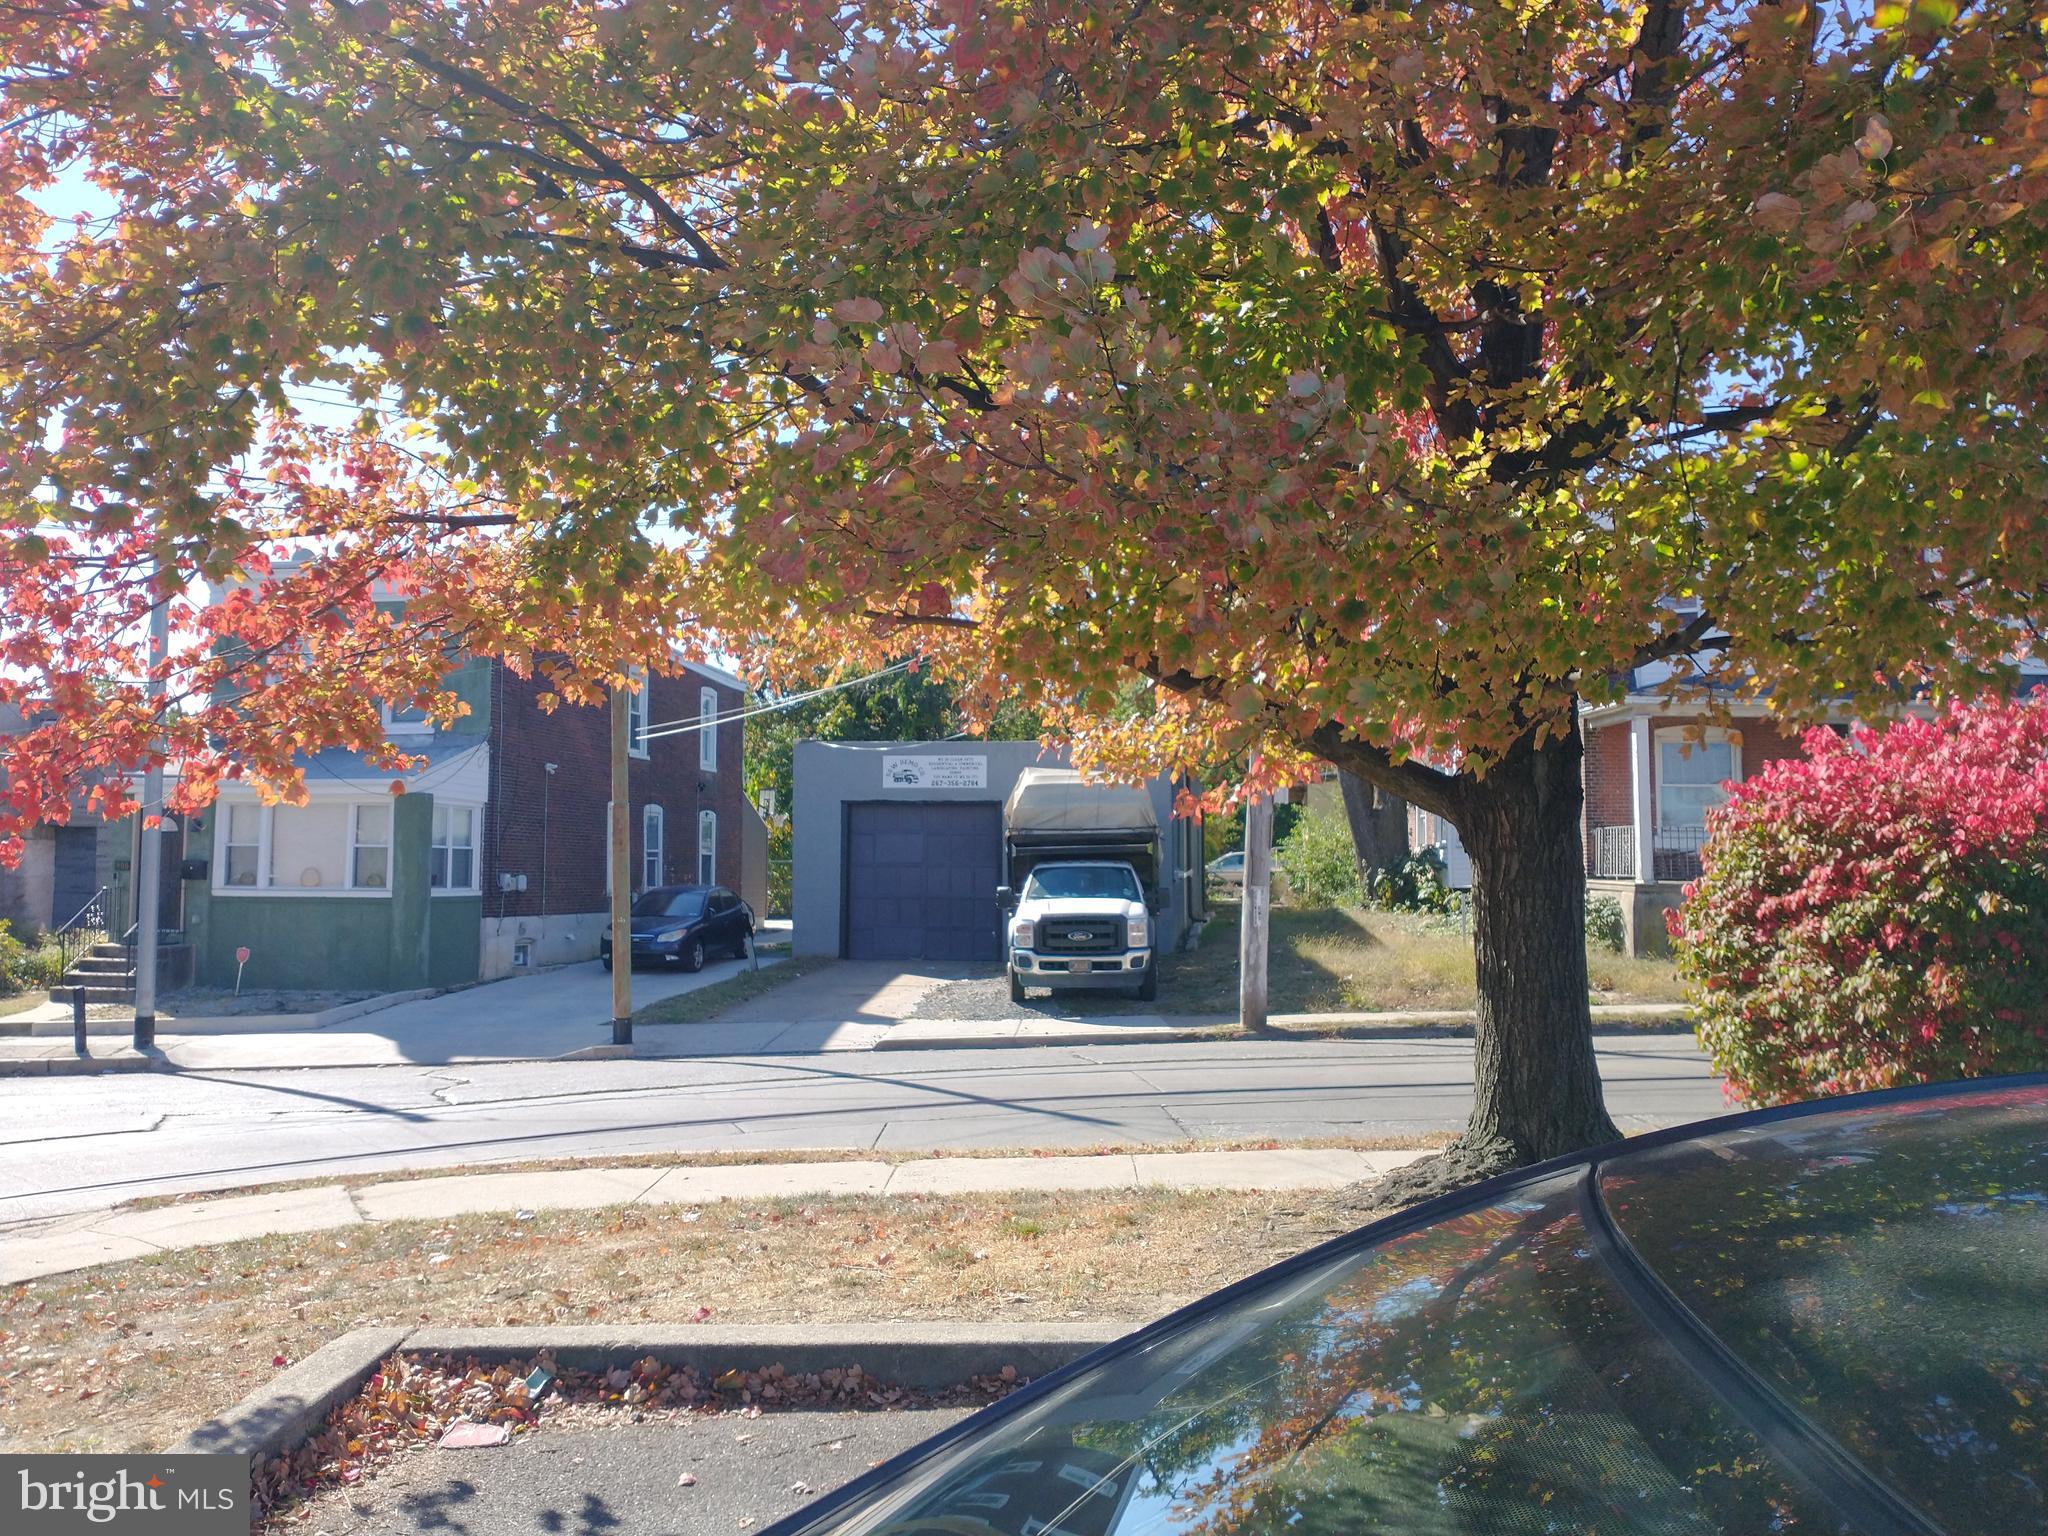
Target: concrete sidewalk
[[33, 1250], [554, 1017], [553, 1014]]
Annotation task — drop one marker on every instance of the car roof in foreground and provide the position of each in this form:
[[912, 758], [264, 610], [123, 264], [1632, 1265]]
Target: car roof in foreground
[[1827, 1317]]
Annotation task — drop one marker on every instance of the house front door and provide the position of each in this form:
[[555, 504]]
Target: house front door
[[75, 874]]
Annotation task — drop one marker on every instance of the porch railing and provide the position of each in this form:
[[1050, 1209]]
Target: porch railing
[[1674, 853]]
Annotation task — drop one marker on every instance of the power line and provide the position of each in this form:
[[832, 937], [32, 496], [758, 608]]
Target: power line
[[686, 727]]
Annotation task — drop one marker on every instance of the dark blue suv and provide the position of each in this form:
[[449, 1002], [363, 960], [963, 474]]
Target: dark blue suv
[[683, 924]]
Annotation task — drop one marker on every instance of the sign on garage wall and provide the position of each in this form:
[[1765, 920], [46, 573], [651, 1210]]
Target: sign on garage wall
[[954, 770]]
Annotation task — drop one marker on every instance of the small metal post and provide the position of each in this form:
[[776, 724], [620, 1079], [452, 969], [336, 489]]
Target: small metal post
[[78, 1021]]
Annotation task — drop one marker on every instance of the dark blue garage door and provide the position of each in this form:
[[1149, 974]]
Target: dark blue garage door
[[921, 881]]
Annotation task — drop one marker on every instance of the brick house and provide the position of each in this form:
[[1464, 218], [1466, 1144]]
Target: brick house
[[1652, 771], [494, 859]]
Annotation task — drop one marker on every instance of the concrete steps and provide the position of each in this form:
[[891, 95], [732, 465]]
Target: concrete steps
[[107, 972]]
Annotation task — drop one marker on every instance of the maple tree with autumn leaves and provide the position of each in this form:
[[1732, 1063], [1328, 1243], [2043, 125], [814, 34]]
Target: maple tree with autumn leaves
[[1375, 380]]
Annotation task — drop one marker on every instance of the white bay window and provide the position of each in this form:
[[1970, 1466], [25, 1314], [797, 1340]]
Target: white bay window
[[370, 847], [323, 848], [451, 866]]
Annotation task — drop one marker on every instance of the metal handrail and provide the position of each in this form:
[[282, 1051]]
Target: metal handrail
[[82, 930]]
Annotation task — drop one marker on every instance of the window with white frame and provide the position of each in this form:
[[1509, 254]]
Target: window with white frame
[[406, 720], [451, 866], [651, 847], [369, 865], [1690, 774], [707, 730], [308, 846], [707, 847], [636, 713], [325, 847], [241, 859]]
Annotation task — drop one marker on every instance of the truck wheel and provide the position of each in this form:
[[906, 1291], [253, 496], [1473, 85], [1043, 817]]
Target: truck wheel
[[1148, 989], [1016, 987]]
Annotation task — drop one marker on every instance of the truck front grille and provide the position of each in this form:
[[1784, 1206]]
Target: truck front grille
[[1079, 935]]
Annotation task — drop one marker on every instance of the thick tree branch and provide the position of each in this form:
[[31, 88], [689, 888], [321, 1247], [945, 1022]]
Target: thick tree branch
[[470, 82], [644, 255], [1416, 782]]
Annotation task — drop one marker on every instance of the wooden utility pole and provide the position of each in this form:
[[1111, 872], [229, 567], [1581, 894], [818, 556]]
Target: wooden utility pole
[[622, 873], [1254, 914]]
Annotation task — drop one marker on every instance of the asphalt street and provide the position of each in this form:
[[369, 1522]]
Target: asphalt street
[[87, 1143]]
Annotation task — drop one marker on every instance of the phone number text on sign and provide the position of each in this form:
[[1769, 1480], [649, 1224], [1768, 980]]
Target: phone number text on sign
[[949, 771]]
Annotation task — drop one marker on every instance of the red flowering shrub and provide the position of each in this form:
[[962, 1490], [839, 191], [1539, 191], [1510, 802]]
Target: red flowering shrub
[[1876, 912]]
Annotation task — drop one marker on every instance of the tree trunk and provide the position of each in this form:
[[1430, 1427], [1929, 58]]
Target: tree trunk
[[1536, 1087], [1379, 825]]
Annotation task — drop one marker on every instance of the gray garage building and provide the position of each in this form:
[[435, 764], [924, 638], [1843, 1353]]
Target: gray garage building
[[898, 848]]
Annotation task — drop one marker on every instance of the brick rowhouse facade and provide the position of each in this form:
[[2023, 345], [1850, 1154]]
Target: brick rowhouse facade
[[551, 828], [1609, 786]]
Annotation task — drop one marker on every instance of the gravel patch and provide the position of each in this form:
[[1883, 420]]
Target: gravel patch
[[988, 997], [200, 1003]]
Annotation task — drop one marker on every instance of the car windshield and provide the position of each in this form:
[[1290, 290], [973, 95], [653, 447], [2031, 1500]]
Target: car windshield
[[668, 901], [1482, 1375], [1887, 1273], [1510, 1369], [1057, 881]]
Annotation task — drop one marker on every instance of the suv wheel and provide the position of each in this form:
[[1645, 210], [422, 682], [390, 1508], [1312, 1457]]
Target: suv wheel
[[1016, 986]]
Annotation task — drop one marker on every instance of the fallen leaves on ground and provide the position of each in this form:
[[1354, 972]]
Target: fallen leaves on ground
[[158, 1345]]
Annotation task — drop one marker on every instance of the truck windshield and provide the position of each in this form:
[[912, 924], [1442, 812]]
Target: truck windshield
[[1056, 881]]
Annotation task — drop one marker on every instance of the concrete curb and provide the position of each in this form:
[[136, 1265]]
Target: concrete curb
[[293, 1405], [277, 1417], [125, 1059], [377, 1004], [908, 1354], [1424, 1027], [211, 1024]]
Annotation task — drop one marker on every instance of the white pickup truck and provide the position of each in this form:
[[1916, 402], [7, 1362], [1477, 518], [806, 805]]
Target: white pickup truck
[[1079, 910]]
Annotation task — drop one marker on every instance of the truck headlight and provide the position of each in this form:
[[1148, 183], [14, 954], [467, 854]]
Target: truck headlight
[[1137, 931], [1022, 932]]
